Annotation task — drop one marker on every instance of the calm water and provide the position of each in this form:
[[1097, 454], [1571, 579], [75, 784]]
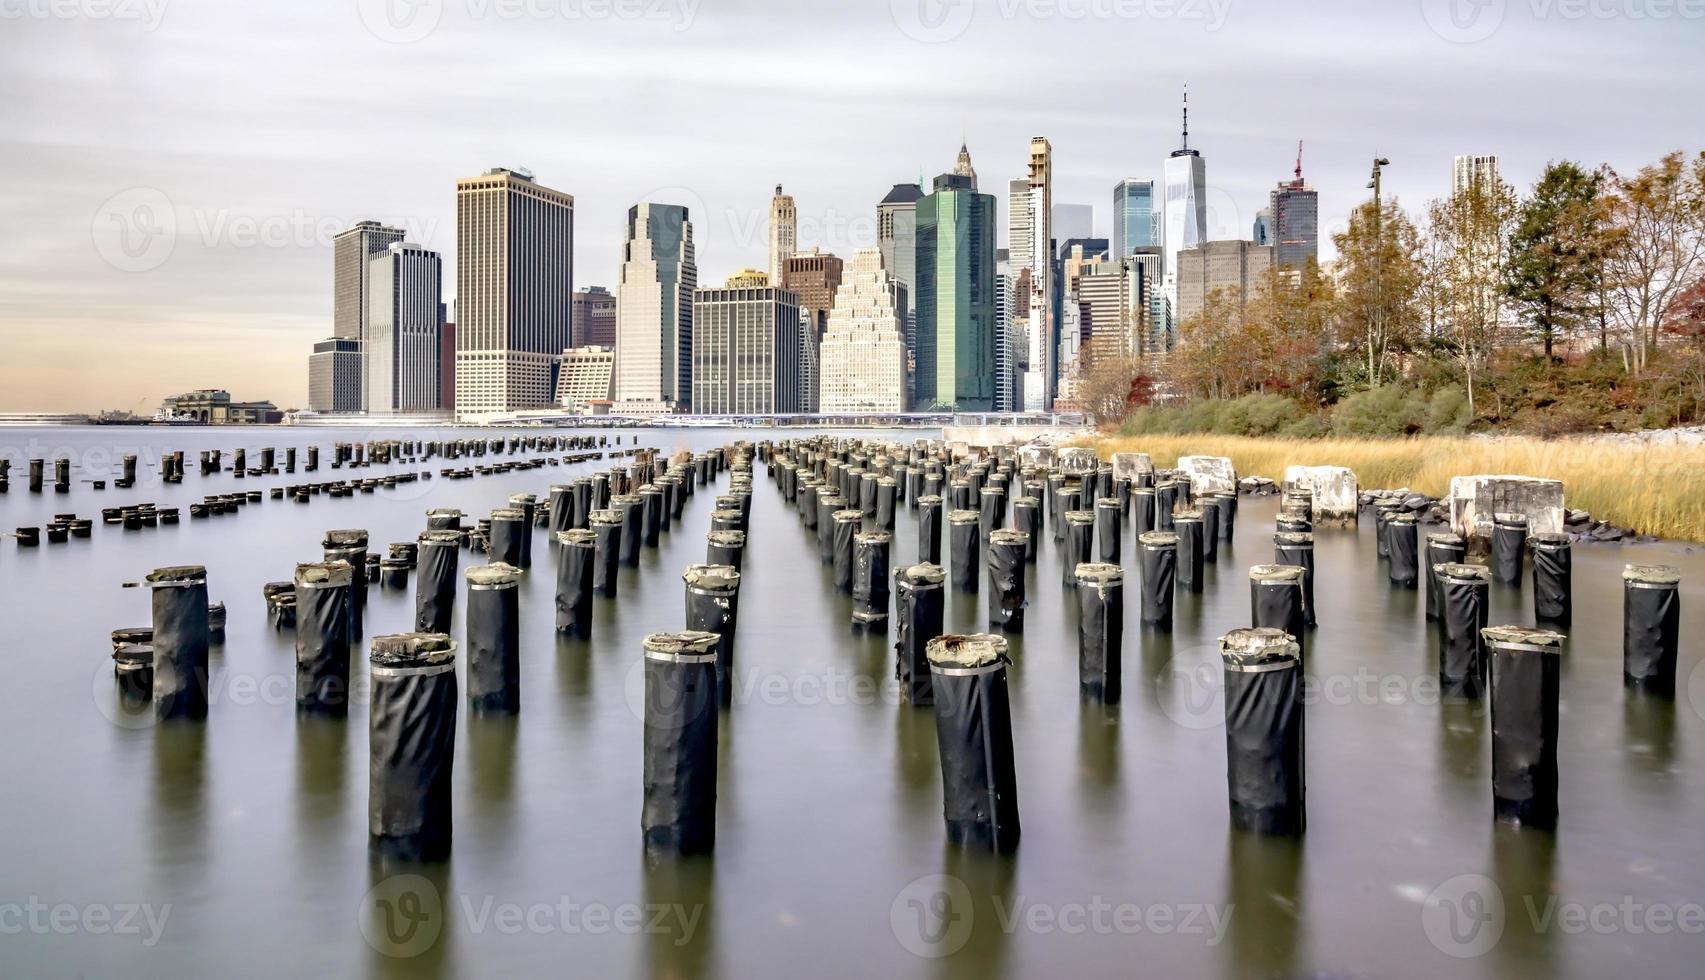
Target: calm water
[[245, 838]]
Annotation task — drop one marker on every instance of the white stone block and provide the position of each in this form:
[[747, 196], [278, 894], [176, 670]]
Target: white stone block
[[1336, 492], [1131, 466], [1208, 474], [1474, 500]]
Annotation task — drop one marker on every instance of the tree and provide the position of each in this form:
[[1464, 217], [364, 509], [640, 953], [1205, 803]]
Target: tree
[[1552, 272], [1471, 232], [1685, 321], [1656, 248], [1111, 385], [1378, 283], [1213, 358], [1289, 324]]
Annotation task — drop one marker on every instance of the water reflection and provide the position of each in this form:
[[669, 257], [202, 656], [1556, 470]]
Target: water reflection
[[1524, 868], [1462, 750], [917, 762], [1098, 750], [683, 945], [491, 743], [322, 765], [1648, 738], [408, 918], [988, 880], [1264, 888]]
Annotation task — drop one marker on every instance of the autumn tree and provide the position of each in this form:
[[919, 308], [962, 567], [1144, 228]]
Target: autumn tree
[[1471, 233], [1555, 252], [1656, 248], [1379, 279]]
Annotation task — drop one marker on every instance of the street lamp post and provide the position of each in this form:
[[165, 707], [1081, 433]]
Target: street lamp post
[[1378, 260]]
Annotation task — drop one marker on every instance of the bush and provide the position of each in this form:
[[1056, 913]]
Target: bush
[[1383, 411], [1447, 412]]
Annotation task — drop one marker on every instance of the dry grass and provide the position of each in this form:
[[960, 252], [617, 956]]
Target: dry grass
[[1649, 489]]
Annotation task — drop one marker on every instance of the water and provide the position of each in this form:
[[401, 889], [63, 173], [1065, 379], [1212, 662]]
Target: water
[[252, 828]]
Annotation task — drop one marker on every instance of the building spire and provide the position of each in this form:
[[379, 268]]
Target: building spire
[[1186, 115]]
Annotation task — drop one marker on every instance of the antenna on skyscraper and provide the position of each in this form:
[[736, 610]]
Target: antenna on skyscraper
[[1186, 115], [1299, 161]]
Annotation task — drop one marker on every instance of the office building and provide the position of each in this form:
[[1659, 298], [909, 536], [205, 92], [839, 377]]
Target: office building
[[587, 377], [404, 314], [1235, 265], [864, 346], [745, 350], [812, 276], [1009, 396], [352, 250], [897, 236], [1030, 242], [1185, 215], [956, 295], [784, 232], [594, 318], [1136, 216], [654, 312], [1470, 168], [1293, 222], [334, 376]]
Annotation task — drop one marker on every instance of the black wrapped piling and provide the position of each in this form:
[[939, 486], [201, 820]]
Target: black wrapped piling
[[350, 546], [577, 553], [1065, 501], [887, 491], [678, 815], [828, 502], [1553, 575], [1142, 510], [632, 508], [494, 638], [280, 605], [1276, 600], [1464, 602], [1109, 520], [1651, 627], [1158, 551], [929, 529], [973, 723], [1526, 668], [654, 511], [323, 637], [180, 642], [1401, 543], [1509, 545], [607, 556], [412, 745], [1027, 520], [726, 548], [1228, 514], [507, 536], [443, 520], [1080, 544], [1100, 631], [62, 475], [1187, 524], [1442, 548], [1209, 507], [393, 573], [713, 606], [845, 529], [1007, 550], [920, 603], [992, 511], [964, 549], [871, 564], [1264, 731], [1298, 550], [133, 669], [435, 586], [561, 509], [36, 466], [1165, 504]]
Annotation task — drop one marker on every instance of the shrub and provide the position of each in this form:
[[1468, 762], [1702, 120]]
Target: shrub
[[1447, 411], [1383, 411]]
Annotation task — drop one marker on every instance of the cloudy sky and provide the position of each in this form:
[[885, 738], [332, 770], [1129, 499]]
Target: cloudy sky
[[172, 171]]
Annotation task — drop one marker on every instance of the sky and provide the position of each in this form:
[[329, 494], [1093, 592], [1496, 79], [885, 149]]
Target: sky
[[172, 171]]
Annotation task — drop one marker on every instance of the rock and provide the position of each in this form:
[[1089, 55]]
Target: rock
[[1475, 499], [1417, 502], [1209, 474], [1335, 492], [1076, 461], [1131, 466], [1604, 532], [1578, 517]]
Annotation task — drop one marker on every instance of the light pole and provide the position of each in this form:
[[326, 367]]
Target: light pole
[[1375, 327]]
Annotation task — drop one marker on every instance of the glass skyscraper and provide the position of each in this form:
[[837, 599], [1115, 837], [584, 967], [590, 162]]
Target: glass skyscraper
[[1136, 222], [956, 297]]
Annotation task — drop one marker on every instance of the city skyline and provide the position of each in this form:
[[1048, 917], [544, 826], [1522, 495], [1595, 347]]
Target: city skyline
[[254, 179]]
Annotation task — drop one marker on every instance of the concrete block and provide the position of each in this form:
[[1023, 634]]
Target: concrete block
[[1130, 466], [1474, 500], [1077, 460], [1336, 493], [1208, 474]]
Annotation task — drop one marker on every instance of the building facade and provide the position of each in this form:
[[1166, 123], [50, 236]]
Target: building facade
[[1008, 396], [864, 344], [587, 376], [1234, 265], [1466, 169], [784, 232], [1185, 214], [215, 407], [594, 318], [1294, 230], [514, 291], [404, 315], [1037, 257], [897, 237], [814, 277], [352, 250], [745, 351], [334, 376], [654, 311], [1136, 219], [956, 297]]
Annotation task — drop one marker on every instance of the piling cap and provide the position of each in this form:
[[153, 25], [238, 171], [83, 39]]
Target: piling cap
[[721, 578], [274, 589], [1026, 501], [1080, 517], [976, 650], [605, 517], [1277, 573], [873, 538], [1464, 572], [727, 539], [139, 654], [1404, 518], [925, 574], [1097, 573], [963, 517], [1446, 539], [412, 650], [444, 512], [1191, 515], [1514, 520], [523, 498], [494, 574], [888, 481], [1548, 542], [929, 500], [1259, 647], [1110, 502], [834, 500], [508, 514], [847, 516], [1293, 539], [179, 574], [1523, 638], [441, 537], [688, 644], [625, 499], [1008, 536], [354, 538], [1146, 491], [726, 515], [132, 634], [575, 537], [1652, 574], [1158, 539], [330, 574]]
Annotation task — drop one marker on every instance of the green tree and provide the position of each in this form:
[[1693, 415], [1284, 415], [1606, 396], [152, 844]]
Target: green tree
[[1379, 280], [1551, 275], [1471, 231], [1656, 248]]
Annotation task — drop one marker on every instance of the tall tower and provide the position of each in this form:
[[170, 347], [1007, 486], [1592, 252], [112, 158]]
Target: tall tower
[[1469, 168], [1042, 371], [514, 291], [956, 298], [1293, 216], [897, 237], [1136, 219], [864, 350], [654, 311], [784, 232], [403, 317], [352, 251], [1186, 211]]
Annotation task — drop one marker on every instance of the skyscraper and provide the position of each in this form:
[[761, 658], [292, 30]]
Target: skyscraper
[[654, 311], [864, 349], [404, 317], [351, 251], [594, 317], [1469, 168], [745, 351], [1186, 211], [1037, 257], [1008, 397], [812, 276], [1234, 265], [514, 291], [956, 296], [784, 232], [897, 236], [1293, 215], [334, 376], [1136, 221]]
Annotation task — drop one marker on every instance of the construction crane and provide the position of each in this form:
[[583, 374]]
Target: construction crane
[[1299, 161]]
